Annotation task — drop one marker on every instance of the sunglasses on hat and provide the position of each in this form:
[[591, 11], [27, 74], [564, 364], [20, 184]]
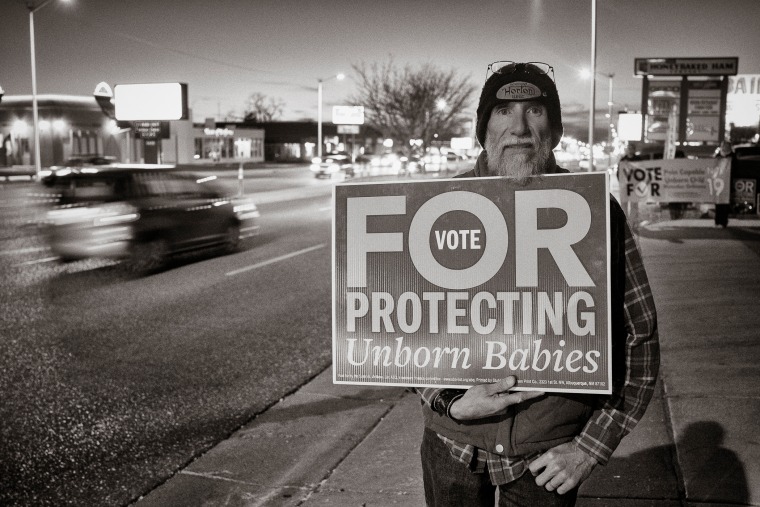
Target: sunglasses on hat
[[509, 67]]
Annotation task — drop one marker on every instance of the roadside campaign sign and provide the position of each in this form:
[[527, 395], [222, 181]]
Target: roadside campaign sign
[[457, 282], [675, 180]]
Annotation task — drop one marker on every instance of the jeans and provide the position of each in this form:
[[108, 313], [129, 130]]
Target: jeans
[[449, 483]]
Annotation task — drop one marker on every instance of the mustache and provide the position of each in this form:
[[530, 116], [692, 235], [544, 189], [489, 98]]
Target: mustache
[[521, 141]]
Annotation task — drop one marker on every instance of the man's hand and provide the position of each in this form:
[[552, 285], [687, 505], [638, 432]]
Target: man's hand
[[564, 467], [485, 400]]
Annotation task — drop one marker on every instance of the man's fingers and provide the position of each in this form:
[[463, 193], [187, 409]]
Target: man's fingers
[[501, 389], [567, 485], [502, 385], [519, 397]]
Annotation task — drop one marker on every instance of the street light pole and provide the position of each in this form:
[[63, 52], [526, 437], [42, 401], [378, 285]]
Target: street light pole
[[35, 111], [609, 110], [586, 74], [593, 88], [319, 120], [339, 77]]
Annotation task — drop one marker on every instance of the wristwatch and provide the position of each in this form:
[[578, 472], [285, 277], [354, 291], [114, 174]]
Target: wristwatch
[[444, 400]]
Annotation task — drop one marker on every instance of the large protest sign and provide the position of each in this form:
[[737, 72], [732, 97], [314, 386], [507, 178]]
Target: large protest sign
[[458, 282], [676, 180]]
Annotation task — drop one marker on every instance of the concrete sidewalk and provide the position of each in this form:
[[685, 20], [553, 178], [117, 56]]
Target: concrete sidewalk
[[696, 446]]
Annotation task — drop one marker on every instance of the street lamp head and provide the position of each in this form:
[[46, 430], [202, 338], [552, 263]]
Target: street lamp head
[[34, 5], [340, 76]]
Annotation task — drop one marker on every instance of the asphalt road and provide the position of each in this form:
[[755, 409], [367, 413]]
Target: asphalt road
[[110, 383]]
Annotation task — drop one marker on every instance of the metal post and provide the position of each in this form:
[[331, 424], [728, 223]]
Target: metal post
[[609, 112], [319, 119], [35, 113], [593, 88]]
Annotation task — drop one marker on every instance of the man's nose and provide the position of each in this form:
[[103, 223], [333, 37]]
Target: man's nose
[[519, 125]]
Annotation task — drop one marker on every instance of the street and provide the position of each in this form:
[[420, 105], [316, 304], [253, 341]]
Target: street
[[111, 383]]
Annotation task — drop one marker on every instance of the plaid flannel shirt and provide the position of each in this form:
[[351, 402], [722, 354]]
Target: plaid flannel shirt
[[621, 411]]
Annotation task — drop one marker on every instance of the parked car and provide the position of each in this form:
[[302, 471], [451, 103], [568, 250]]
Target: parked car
[[332, 164], [142, 214], [745, 176]]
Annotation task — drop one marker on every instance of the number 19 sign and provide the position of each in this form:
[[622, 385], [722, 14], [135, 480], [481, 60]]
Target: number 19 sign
[[463, 281]]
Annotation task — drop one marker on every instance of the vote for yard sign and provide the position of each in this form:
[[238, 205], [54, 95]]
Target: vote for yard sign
[[463, 281]]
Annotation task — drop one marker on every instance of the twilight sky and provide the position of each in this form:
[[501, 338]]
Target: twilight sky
[[227, 49]]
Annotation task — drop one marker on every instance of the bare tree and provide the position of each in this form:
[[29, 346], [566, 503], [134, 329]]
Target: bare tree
[[406, 103], [259, 108]]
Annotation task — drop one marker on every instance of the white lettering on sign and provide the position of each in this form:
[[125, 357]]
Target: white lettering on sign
[[558, 242], [542, 358], [451, 239], [360, 242], [458, 313]]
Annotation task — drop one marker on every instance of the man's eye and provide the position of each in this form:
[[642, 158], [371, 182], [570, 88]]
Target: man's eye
[[536, 111], [503, 110]]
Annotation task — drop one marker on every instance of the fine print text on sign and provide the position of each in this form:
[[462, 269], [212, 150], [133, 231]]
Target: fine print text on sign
[[675, 180], [458, 282]]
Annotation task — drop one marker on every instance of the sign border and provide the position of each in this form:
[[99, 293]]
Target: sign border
[[452, 386]]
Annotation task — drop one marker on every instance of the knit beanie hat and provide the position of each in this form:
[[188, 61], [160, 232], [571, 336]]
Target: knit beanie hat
[[521, 84]]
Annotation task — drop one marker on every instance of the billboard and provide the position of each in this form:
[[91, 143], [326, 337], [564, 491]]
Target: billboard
[[703, 180], [703, 111], [348, 115], [664, 98], [743, 100], [151, 102], [457, 282]]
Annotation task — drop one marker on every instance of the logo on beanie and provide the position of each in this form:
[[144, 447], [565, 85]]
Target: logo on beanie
[[519, 90]]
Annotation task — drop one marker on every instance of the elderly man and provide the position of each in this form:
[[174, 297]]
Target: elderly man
[[470, 446]]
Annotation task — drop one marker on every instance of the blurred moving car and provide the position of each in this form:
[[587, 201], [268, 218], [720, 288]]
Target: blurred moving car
[[89, 159], [143, 214], [332, 164]]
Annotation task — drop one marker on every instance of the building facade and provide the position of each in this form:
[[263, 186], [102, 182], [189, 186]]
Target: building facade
[[75, 126], [69, 126], [296, 141]]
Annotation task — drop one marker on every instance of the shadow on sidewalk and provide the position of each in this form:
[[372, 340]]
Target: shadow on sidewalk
[[711, 472], [708, 471], [290, 412]]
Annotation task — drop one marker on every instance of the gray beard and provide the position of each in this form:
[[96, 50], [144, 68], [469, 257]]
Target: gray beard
[[519, 166]]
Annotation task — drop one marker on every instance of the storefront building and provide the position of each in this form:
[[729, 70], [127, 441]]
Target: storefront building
[[228, 144], [75, 126], [69, 126], [296, 141]]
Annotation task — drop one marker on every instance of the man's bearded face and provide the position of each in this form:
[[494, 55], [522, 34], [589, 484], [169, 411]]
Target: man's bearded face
[[519, 140]]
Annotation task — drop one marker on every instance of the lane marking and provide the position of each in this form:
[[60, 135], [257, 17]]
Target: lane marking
[[276, 259], [38, 261], [24, 250]]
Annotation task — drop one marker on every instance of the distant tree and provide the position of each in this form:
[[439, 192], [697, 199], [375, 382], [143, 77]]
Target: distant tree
[[412, 103], [259, 108]]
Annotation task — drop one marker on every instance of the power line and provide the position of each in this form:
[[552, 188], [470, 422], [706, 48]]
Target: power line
[[188, 54]]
